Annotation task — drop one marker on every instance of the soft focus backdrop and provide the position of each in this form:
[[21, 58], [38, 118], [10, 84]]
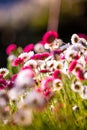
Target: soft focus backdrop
[[25, 21]]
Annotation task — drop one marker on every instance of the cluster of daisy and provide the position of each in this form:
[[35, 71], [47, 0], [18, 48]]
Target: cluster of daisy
[[36, 74]]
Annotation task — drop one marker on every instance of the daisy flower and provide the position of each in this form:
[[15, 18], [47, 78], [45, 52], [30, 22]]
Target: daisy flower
[[35, 99], [39, 48], [24, 79], [29, 47], [4, 71], [32, 63], [23, 117], [77, 87], [17, 61], [74, 39], [25, 56], [11, 48], [57, 84], [50, 36]]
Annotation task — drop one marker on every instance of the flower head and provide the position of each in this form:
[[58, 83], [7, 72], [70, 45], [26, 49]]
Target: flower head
[[50, 36], [11, 48], [17, 61], [29, 47], [4, 71]]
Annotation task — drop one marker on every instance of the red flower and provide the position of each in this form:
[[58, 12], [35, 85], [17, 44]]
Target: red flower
[[50, 36]]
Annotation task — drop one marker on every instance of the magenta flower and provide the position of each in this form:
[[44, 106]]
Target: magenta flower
[[57, 74], [72, 65], [47, 83], [10, 48], [10, 84], [17, 61], [50, 36], [1, 76], [29, 47], [47, 92], [80, 75], [36, 57], [44, 55], [3, 84], [81, 35], [40, 56], [14, 77]]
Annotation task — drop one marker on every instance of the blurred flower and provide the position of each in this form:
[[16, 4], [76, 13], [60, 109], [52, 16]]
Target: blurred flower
[[29, 47], [23, 117], [35, 99], [11, 48], [17, 61], [4, 71]]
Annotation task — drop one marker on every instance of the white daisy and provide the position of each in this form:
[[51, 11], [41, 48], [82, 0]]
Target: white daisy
[[23, 117], [83, 94], [24, 79], [35, 100], [4, 71], [39, 48], [85, 74], [25, 56], [57, 85], [32, 63], [11, 57], [74, 39], [58, 65], [77, 87]]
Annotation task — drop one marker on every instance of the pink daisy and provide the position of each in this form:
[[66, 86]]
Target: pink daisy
[[80, 75], [17, 61], [47, 83], [72, 65], [10, 48], [50, 36], [57, 74], [44, 55], [36, 57], [29, 47]]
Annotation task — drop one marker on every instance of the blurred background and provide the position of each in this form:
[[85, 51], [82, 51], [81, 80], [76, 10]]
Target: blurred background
[[25, 21]]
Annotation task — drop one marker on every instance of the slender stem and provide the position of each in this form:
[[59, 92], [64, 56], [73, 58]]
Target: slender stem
[[54, 13]]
